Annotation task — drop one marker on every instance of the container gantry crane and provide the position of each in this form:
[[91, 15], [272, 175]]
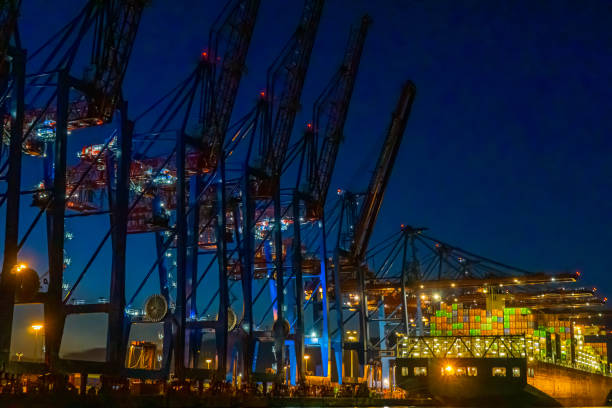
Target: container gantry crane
[[269, 126], [418, 269], [113, 26], [185, 182], [232, 39], [321, 143], [359, 226], [406, 283]]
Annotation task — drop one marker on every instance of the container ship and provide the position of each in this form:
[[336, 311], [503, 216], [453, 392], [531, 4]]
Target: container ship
[[480, 349]]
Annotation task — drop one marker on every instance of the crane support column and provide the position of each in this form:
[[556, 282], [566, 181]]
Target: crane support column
[[221, 326], [247, 273], [364, 332], [11, 233], [279, 326], [193, 233], [325, 318], [119, 201], [299, 288], [54, 311], [181, 260], [404, 281], [165, 292], [338, 340]]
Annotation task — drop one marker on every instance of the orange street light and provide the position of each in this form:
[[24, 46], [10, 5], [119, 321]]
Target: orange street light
[[36, 327], [19, 267]]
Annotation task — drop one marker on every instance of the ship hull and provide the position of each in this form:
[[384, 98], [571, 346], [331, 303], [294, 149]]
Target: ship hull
[[533, 384]]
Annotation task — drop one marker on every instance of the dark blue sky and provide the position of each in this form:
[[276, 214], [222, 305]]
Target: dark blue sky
[[507, 152]]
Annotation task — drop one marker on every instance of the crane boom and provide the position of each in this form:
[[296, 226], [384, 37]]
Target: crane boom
[[229, 40], [330, 113], [380, 178], [9, 11], [113, 25], [120, 19], [215, 80], [288, 73]]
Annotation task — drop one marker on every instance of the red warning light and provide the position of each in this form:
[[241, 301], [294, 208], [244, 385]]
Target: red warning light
[[262, 94], [577, 273], [309, 125]]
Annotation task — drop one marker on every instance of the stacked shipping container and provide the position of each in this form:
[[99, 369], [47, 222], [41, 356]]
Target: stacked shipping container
[[545, 334], [456, 320]]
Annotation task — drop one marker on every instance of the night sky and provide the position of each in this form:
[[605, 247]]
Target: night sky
[[505, 153]]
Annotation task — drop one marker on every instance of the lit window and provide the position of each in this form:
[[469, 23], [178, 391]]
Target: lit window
[[472, 371], [461, 372], [420, 371], [447, 370], [499, 371], [405, 371], [516, 372]]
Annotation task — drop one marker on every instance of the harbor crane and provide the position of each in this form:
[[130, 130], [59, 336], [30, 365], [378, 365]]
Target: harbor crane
[[358, 227], [321, 143]]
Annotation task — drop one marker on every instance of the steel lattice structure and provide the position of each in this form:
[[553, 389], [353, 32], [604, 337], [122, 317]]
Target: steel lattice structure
[[252, 267]]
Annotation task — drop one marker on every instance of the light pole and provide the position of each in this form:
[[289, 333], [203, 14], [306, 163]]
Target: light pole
[[208, 361], [36, 327], [306, 358], [19, 355]]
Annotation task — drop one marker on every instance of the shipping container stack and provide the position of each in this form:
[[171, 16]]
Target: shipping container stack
[[457, 320], [546, 336], [590, 355]]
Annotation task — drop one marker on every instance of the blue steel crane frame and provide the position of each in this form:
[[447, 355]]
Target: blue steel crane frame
[[56, 78], [355, 233], [12, 81], [270, 123]]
